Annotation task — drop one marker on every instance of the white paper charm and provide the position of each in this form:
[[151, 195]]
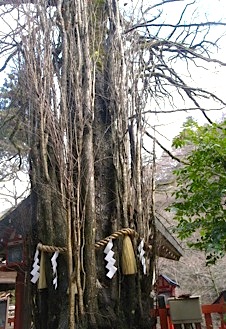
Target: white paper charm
[[54, 266], [35, 271], [108, 247], [110, 260], [141, 256]]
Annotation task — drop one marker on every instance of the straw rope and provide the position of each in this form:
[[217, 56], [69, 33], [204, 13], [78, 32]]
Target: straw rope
[[43, 247], [122, 232], [101, 243]]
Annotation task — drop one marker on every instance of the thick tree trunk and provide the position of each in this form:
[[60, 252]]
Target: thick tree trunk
[[80, 158]]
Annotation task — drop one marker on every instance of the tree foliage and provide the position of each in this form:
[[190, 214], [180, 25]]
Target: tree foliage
[[200, 196]]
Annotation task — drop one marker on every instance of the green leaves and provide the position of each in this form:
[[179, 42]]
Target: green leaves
[[201, 188]]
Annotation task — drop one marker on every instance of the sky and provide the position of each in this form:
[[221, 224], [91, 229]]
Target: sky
[[211, 77]]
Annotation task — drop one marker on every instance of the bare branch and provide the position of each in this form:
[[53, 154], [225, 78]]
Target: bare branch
[[180, 19], [160, 4], [147, 24], [164, 149], [8, 59], [180, 110]]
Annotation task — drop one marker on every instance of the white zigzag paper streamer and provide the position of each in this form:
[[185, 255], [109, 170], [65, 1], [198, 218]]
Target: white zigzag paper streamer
[[141, 256], [110, 260], [54, 266], [35, 271]]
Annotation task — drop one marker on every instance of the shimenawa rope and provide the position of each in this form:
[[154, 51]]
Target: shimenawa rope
[[101, 243]]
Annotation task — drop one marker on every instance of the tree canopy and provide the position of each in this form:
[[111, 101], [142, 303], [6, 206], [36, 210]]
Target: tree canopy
[[200, 205], [90, 74]]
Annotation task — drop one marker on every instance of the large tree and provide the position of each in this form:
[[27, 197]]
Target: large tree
[[88, 75]]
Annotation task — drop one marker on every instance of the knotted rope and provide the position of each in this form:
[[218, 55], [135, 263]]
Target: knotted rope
[[43, 247], [124, 231], [101, 243]]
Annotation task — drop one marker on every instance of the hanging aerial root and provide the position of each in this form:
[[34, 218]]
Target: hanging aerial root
[[101, 243]]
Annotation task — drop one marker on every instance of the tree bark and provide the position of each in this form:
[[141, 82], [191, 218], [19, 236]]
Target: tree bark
[[80, 162]]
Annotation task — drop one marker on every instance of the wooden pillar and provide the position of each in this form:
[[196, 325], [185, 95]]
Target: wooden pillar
[[163, 314], [19, 307]]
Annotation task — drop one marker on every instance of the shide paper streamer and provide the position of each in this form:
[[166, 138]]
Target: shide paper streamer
[[35, 272], [141, 255], [110, 260], [54, 266]]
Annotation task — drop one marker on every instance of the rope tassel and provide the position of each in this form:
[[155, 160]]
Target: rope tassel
[[129, 265]]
